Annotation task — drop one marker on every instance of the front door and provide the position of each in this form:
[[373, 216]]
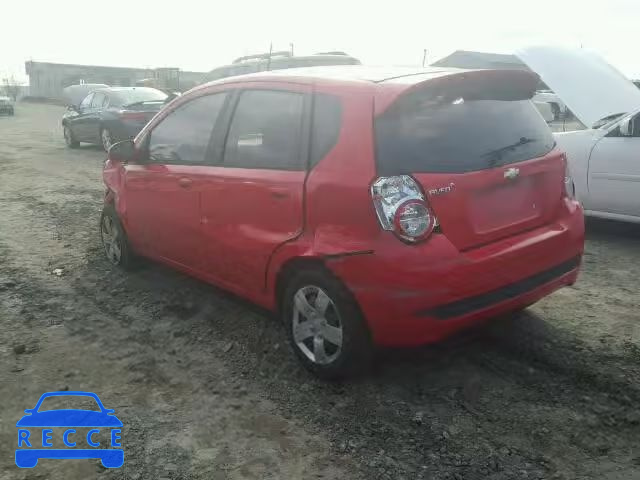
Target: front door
[[253, 202], [163, 194], [614, 173]]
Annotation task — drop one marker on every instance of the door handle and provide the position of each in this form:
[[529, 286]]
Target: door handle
[[185, 182]]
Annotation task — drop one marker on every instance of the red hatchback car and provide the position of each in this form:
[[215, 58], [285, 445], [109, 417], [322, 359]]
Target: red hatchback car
[[368, 207]]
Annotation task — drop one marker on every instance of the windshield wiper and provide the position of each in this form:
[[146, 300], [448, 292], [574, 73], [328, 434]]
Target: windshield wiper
[[496, 154]]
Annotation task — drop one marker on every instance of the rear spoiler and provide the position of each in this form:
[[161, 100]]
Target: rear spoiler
[[506, 84]]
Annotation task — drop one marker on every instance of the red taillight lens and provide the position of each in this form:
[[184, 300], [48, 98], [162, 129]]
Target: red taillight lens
[[402, 208], [413, 220], [126, 115]]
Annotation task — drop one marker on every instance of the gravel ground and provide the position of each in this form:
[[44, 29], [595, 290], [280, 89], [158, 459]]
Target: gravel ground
[[207, 388]]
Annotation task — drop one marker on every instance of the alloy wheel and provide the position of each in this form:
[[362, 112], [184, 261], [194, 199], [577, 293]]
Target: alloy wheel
[[316, 325]]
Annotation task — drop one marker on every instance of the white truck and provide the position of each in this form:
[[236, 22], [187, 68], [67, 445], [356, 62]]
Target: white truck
[[604, 158]]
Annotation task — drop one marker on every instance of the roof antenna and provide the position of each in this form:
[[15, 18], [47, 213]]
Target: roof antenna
[[269, 60], [424, 57]]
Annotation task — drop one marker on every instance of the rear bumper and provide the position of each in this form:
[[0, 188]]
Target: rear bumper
[[416, 294]]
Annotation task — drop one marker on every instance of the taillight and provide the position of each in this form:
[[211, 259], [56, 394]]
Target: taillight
[[402, 208], [128, 115]]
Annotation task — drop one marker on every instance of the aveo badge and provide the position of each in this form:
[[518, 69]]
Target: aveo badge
[[68, 433]]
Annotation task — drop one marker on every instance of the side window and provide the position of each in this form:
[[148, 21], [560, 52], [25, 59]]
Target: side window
[[182, 138], [325, 125], [266, 131], [98, 100], [86, 103]]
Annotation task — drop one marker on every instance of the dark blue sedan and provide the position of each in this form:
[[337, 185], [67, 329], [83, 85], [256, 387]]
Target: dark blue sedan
[[109, 115]]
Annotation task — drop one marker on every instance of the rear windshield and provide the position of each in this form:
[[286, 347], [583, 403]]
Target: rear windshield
[[141, 94], [459, 135]]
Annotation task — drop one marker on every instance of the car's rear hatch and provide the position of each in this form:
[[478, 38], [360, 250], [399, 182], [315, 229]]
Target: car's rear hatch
[[481, 151]]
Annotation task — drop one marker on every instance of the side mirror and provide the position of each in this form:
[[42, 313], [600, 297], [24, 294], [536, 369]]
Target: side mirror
[[122, 152], [626, 127]]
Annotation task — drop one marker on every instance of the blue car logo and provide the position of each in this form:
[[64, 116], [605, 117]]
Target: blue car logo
[[32, 447]]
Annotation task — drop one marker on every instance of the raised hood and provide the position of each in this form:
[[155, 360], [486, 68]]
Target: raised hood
[[588, 85]]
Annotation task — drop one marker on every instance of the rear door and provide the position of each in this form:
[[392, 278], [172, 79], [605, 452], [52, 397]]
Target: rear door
[[78, 123], [614, 173], [93, 117], [164, 193], [253, 202], [482, 152]]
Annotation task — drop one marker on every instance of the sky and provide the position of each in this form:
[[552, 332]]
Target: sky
[[201, 35]]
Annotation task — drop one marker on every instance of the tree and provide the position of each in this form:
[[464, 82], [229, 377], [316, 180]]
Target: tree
[[11, 87]]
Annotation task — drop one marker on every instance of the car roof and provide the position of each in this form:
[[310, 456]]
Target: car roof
[[346, 74], [121, 89], [390, 82]]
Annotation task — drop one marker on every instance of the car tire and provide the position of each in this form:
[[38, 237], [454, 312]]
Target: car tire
[[325, 327], [114, 240], [106, 138], [69, 139]]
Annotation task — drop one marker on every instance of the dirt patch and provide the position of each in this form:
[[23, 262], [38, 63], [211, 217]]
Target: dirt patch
[[207, 387]]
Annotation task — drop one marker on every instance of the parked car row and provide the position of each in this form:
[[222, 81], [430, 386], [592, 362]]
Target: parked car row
[[453, 206]]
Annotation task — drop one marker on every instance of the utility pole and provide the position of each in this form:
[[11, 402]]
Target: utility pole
[[424, 57], [291, 45], [269, 59]]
